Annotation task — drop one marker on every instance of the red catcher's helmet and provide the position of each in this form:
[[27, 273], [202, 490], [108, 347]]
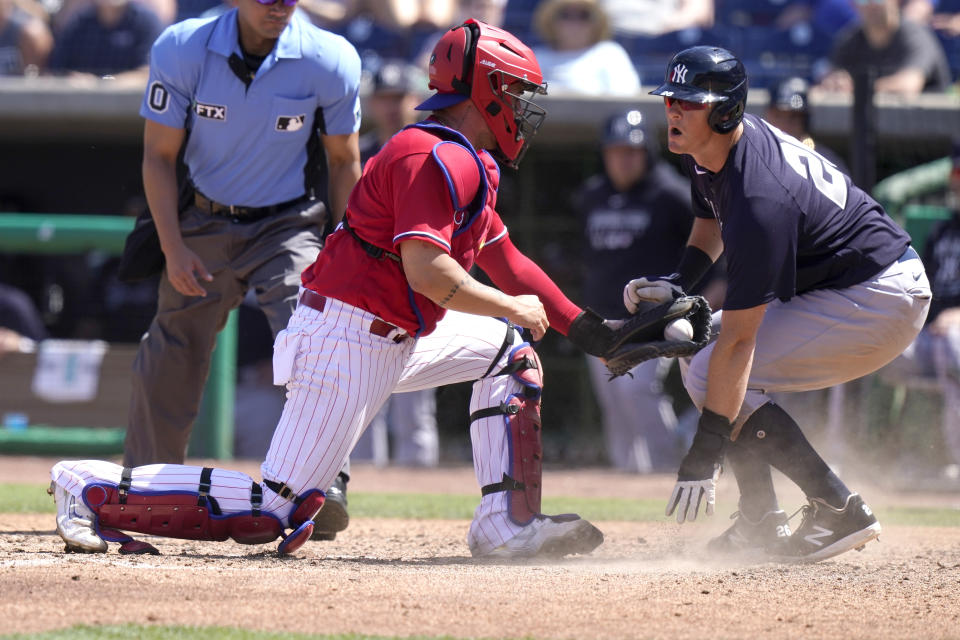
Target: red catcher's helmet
[[499, 73]]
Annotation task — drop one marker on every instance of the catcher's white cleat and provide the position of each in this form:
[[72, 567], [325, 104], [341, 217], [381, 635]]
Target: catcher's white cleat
[[549, 536], [75, 523]]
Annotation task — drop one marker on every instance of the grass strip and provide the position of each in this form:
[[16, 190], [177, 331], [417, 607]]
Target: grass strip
[[31, 498]]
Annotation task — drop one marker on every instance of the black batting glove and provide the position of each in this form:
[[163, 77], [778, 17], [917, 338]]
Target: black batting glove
[[700, 468]]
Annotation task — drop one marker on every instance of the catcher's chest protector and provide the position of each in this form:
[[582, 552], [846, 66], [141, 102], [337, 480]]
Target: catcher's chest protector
[[521, 419]]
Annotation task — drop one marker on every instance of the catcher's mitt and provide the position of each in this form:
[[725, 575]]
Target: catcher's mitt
[[641, 337]]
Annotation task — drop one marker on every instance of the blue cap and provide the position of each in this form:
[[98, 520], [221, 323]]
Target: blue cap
[[626, 128], [441, 101]]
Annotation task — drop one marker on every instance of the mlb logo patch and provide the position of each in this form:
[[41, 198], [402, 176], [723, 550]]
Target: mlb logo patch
[[291, 123]]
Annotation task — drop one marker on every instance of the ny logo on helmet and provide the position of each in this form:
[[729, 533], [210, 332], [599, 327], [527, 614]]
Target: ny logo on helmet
[[679, 74]]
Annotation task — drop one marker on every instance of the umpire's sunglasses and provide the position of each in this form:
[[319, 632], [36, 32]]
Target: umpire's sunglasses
[[270, 3], [685, 105]]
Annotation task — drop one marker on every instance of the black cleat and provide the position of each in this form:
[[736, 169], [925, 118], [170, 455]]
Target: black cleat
[[761, 539], [333, 516], [827, 531]]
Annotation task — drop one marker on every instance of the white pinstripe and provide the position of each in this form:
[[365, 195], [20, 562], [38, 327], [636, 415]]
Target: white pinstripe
[[341, 377]]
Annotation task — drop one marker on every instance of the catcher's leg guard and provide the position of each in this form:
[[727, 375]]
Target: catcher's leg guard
[[308, 506], [187, 515], [521, 413]]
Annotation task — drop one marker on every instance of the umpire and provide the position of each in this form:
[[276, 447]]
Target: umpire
[[251, 99]]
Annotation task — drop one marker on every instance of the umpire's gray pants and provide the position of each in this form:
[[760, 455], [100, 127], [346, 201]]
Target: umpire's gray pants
[[173, 360], [826, 337]]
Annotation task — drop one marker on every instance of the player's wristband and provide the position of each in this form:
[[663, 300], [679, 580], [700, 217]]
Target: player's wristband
[[694, 264], [714, 423]]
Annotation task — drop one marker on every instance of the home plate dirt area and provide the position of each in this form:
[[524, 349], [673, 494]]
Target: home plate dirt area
[[403, 577]]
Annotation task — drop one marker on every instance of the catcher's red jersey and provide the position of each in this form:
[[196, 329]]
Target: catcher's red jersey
[[404, 194]]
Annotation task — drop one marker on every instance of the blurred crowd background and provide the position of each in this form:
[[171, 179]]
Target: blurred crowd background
[[595, 46], [797, 50]]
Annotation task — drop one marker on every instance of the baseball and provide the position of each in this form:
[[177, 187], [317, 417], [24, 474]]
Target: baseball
[[680, 329]]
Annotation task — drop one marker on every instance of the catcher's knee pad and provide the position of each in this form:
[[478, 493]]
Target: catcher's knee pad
[[521, 412], [187, 514]]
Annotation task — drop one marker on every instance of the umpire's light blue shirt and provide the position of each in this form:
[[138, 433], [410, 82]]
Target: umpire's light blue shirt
[[248, 147]]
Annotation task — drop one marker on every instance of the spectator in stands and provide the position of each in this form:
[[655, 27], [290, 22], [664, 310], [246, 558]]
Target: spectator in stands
[[936, 351], [25, 40], [394, 92], [919, 11], [411, 418], [111, 38], [789, 111], [327, 14], [407, 14], [655, 17], [637, 211], [826, 16], [947, 22], [906, 58], [831, 16], [165, 10], [579, 56], [492, 12], [395, 28]]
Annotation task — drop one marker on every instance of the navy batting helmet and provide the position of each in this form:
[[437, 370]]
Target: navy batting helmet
[[708, 75]]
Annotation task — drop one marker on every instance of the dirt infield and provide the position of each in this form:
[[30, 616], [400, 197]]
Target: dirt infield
[[409, 577]]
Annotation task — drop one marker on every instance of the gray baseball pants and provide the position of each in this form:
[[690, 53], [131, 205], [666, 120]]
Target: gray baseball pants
[[826, 337], [173, 361]]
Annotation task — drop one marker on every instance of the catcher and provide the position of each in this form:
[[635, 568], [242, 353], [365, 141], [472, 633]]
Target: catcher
[[822, 288]]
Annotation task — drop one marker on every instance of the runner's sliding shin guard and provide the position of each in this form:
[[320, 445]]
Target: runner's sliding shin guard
[[773, 436], [757, 495]]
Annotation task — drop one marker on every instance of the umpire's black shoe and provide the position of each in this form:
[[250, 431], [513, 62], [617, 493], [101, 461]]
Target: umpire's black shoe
[[827, 531], [333, 517], [763, 539]]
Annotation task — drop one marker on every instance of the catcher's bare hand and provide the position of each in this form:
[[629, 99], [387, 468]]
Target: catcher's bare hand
[[530, 314], [182, 264]]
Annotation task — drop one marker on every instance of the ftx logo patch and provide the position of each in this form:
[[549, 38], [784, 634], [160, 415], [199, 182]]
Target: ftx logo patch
[[291, 123], [211, 111]]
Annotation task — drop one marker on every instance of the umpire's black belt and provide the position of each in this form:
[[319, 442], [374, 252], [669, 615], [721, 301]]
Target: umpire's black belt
[[241, 214]]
